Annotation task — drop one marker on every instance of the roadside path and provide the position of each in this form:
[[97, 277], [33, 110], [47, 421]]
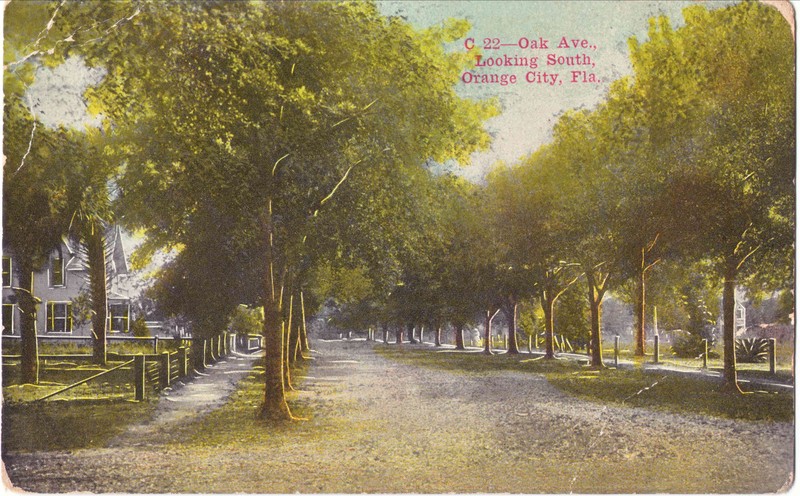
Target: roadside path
[[189, 399], [380, 426]]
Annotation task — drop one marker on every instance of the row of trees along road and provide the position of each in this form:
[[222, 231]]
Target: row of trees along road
[[243, 131], [687, 166], [276, 149]]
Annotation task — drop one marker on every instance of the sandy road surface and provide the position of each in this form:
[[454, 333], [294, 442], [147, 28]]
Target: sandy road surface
[[381, 426]]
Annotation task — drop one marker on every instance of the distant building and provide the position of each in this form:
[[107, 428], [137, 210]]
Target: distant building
[[63, 287]]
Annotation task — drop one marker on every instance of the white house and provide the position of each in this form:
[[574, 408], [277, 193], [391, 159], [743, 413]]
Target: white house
[[62, 285]]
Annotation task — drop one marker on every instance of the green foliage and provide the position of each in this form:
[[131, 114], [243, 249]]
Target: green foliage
[[261, 139], [687, 345], [139, 328], [785, 306], [531, 318], [572, 316], [246, 320]]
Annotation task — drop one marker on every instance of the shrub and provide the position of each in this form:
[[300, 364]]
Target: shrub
[[752, 350], [245, 320], [691, 346], [139, 328]]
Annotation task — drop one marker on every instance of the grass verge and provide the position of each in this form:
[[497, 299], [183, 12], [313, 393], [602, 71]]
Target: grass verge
[[241, 410], [85, 416], [68, 424], [633, 388]]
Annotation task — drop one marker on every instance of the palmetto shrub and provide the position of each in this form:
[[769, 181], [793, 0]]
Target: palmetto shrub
[[752, 350]]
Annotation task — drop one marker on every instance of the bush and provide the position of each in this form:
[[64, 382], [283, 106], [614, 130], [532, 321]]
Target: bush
[[753, 350], [691, 346], [139, 328], [245, 320]]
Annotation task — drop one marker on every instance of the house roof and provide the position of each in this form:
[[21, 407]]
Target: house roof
[[76, 258], [118, 254]]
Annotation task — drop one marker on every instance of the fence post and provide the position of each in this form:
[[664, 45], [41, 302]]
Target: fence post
[[616, 351], [772, 355], [164, 379], [705, 353], [183, 362], [155, 345], [138, 377], [655, 348]]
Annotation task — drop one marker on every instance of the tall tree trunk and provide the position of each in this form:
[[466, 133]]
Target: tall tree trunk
[[286, 326], [437, 335], [411, 338], [641, 300], [385, 328], [729, 329], [398, 334], [595, 309], [27, 302], [274, 406], [197, 352], [487, 347], [513, 348], [304, 335], [296, 350], [459, 330], [96, 260], [548, 305], [639, 312], [294, 336], [421, 334]]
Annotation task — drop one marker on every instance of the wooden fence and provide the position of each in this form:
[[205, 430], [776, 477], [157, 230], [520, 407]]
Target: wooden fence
[[157, 371]]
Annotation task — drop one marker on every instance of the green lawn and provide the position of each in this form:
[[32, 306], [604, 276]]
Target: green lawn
[[84, 416], [68, 424], [783, 366], [635, 388]]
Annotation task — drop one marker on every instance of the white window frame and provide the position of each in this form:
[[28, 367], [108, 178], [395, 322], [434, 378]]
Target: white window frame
[[51, 272], [126, 317], [50, 318]]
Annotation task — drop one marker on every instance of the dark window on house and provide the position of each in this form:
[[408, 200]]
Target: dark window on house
[[8, 318], [59, 317], [57, 270], [120, 315], [6, 272]]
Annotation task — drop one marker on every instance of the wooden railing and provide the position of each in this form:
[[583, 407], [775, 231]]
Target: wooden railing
[[152, 371]]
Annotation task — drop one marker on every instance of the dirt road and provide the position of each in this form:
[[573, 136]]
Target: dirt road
[[380, 426]]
